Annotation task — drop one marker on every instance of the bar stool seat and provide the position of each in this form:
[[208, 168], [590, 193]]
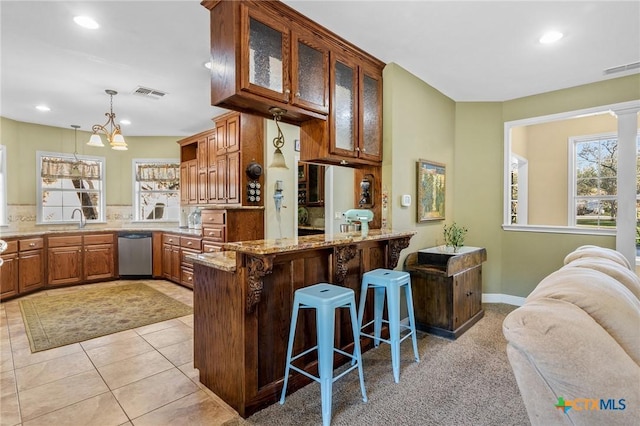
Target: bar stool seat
[[386, 281], [325, 299]]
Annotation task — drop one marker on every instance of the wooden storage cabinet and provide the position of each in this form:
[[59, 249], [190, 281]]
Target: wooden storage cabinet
[[171, 257], [226, 225], [353, 133], [73, 259], [310, 185], [174, 265], [188, 246], [282, 60], [447, 289], [212, 162], [9, 271], [31, 264]]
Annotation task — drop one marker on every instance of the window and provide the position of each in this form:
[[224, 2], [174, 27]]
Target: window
[[67, 182], [594, 173], [156, 190], [3, 185]]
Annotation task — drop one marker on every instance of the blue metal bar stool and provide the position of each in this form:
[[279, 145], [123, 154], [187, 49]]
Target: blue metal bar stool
[[325, 299], [385, 280]]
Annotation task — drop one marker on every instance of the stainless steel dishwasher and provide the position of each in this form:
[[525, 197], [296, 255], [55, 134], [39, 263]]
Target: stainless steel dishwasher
[[134, 254]]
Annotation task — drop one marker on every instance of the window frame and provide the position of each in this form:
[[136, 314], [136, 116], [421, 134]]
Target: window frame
[[507, 154], [135, 192], [39, 190], [572, 175]]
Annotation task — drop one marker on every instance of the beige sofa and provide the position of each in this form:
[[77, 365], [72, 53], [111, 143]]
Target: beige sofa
[[574, 345]]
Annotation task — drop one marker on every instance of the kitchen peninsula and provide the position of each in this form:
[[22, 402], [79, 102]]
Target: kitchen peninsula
[[243, 300]]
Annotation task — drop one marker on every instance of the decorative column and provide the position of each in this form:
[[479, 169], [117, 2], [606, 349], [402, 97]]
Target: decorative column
[[627, 159]]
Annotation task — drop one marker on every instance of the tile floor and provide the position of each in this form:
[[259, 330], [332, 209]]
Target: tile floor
[[143, 376]]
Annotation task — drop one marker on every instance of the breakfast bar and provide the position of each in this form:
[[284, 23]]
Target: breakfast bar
[[242, 307]]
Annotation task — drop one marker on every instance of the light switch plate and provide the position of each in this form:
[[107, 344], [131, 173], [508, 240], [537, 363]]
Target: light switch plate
[[405, 201]]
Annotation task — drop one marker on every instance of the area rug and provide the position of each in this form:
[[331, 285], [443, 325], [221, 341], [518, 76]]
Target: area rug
[[53, 321]]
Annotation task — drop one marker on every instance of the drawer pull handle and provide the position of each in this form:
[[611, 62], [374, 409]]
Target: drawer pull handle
[[32, 244], [189, 243]]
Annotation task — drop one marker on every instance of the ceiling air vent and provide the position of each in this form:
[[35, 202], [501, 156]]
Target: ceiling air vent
[[622, 68], [149, 93]]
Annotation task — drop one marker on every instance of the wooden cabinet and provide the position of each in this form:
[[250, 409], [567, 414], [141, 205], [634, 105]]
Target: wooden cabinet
[[188, 246], [31, 264], [174, 265], [212, 162], [353, 133], [282, 60], [171, 257], [447, 289], [99, 257], [220, 226], [9, 271], [73, 259]]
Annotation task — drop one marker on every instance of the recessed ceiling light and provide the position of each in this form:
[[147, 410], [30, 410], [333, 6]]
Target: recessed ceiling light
[[86, 22], [43, 108], [551, 37], [125, 122]]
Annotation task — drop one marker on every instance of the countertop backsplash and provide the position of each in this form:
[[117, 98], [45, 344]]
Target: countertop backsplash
[[22, 220]]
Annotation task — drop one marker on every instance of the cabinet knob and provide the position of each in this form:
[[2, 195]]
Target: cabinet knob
[[287, 91], [357, 148], [189, 243], [297, 94], [32, 244]]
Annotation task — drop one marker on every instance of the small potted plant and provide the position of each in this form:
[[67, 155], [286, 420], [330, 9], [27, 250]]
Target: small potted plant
[[454, 236]]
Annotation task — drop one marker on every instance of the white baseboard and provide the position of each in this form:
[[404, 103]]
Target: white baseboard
[[502, 298]]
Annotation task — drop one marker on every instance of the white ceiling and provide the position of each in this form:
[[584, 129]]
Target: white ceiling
[[468, 50]]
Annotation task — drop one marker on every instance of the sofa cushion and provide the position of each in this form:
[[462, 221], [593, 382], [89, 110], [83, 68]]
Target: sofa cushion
[[621, 274], [609, 303], [569, 355], [595, 251]]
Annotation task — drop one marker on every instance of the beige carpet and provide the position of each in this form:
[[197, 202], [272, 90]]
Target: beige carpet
[[59, 320], [464, 382]]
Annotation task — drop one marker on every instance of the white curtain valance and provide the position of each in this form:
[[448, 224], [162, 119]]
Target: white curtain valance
[[158, 173], [61, 168]]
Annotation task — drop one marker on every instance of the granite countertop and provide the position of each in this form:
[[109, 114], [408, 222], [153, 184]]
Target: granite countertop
[[224, 260], [284, 245], [97, 228]]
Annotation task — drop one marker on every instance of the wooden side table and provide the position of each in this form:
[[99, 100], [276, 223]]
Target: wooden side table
[[447, 289]]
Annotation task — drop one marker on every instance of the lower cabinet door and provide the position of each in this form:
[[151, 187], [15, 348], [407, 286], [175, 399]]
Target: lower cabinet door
[[9, 275], [31, 270], [65, 265], [99, 262]]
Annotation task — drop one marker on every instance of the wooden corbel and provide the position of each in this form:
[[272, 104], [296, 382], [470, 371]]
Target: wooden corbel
[[257, 268]]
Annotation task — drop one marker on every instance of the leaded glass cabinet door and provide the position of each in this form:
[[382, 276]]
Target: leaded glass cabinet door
[[310, 73], [344, 107], [265, 52], [370, 135]]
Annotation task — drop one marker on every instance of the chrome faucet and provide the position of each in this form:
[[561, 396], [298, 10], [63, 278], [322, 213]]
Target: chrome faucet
[[82, 222]]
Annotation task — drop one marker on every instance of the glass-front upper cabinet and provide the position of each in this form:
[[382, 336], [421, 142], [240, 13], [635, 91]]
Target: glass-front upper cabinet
[[344, 91], [370, 137], [310, 73], [286, 65], [266, 63]]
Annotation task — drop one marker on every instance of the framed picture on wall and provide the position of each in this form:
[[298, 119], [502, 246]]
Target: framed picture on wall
[[431, 190]]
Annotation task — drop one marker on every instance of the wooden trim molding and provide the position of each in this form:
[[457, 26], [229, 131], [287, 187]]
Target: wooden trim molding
[[257, 268]]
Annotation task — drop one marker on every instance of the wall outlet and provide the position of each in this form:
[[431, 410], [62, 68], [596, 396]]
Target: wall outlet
[[337, 215]]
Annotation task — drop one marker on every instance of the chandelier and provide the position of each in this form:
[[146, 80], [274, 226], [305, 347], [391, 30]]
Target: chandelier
[[113, 134]]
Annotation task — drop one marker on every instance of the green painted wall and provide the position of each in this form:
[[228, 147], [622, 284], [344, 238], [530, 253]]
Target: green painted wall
[[24, 139], [477, 185], [418, 124]]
